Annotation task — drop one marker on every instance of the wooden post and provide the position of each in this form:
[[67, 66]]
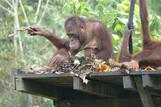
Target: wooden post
[[129, 83], [144, 93], [151, 82]]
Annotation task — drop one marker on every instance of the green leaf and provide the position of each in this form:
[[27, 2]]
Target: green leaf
[[99, 8]]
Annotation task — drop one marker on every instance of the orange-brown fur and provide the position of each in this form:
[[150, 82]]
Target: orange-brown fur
[[89, 35], [151, 49]]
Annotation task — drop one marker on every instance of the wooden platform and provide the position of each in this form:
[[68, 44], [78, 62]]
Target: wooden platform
[[113, 89]]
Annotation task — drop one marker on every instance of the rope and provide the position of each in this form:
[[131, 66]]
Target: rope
[[130, 24]]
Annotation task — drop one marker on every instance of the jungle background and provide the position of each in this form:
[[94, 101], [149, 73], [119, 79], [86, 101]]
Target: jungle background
[[19, 50]]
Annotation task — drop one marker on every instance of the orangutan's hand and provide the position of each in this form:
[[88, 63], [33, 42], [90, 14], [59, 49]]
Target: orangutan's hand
[[37, 30]]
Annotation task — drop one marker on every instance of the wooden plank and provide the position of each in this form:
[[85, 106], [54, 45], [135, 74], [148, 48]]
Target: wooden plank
[[65, 79], [152, 82], [37, 76], [114, 77], [59, 80], [158, 73], [128, 83], [49, 91], [120, 73], [144, 93], [93, 87], [102, 89], [32, 87], [116, 73]]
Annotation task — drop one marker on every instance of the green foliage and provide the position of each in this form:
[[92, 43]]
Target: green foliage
[[155, 6], [37, 50]]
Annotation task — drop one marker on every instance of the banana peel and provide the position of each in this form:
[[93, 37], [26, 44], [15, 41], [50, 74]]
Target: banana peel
[[149, 68], [103, 68]]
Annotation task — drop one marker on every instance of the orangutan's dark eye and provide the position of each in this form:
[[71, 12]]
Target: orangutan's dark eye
[[72, 40]]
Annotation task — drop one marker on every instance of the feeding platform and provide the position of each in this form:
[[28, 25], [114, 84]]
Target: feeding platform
[[105, 89]]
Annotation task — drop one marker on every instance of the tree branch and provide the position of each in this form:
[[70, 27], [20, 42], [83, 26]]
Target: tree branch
[[9, 11], [9, 3], [24, 13], [38, 9], [47, 2], [17, 38]]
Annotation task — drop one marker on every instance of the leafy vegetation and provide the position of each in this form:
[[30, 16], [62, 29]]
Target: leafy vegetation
[[18, 50]]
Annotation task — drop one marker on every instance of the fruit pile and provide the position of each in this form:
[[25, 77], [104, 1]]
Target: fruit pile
[[83, 65]]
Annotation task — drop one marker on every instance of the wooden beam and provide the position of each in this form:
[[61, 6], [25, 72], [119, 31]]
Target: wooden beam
[[119, 73], [61, 80], [32, 87], [102, 89], [128, 83], [92, 87], [144, 93], [48, 90], [107, 77], [151, 82]]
